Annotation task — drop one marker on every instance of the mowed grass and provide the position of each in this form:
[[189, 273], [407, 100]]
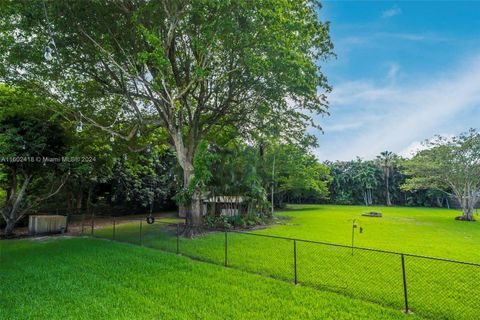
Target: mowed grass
[[436, 289], [84, 278], [423, 231]]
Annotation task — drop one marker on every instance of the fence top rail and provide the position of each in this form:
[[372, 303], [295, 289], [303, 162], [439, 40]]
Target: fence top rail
[[359, 248]]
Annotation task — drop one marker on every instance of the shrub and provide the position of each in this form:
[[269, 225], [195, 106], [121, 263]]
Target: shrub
[[238, 221]]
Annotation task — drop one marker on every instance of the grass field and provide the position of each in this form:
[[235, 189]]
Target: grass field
[[424, 231], [86, 278], [436, 289]]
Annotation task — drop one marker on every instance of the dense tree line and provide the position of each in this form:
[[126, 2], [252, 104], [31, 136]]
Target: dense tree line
[[378, 182], [445, 173]]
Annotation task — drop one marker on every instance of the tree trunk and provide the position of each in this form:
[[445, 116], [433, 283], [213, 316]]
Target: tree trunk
[[10, 224], [12, 216], [389, 202], [467, 203], [365, 197], [468, 215], [79, 200], [467, 209], [69, 197], [193, 217], [11, 220], [195, 209], [185, 155], [439, 202]]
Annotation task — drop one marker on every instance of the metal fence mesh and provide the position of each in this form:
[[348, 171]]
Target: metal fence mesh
[[431, 287], [160, 236], [210, 249], [271, 257], [443, 289], [369, 275]]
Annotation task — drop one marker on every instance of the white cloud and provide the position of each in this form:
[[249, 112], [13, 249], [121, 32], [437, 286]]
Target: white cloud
[[343, 126], [394, 11], [417, 146], [408, 36], [396, 116], [360, 90], [411, 149], [393, 71]]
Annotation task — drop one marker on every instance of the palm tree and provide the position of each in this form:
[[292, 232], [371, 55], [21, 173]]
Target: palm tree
[[367, 178], [386, 160]]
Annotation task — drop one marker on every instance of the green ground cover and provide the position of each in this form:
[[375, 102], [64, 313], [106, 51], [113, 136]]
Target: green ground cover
[[436, 289], [86, 278], [424, 231]]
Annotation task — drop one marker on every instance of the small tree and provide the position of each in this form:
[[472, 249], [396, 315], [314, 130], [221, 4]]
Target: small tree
[[367, 177], [299, 175], [386, 160], [29, 138], [449, 164]]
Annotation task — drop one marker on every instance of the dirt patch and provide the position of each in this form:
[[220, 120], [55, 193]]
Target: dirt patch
[[78, 223]]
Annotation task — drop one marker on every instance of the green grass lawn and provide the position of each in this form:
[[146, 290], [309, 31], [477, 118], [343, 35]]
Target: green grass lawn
[[86, 278], [424, 231], [436, 289]]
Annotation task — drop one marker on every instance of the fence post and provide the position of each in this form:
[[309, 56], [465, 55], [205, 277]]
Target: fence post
[[404, 284], [113, 236], [93, 224], [178, 238], [226, 248], [83, 222], [141, 236], [295, 260]]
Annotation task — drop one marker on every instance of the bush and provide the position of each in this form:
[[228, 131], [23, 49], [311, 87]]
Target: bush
[[209, 221], [344, 198], [238, 221]]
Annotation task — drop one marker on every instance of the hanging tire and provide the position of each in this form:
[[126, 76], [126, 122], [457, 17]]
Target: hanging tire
[[150, 220]]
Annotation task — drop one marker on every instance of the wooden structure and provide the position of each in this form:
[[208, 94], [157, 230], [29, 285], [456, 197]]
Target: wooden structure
[[45, 224], [225, 205]]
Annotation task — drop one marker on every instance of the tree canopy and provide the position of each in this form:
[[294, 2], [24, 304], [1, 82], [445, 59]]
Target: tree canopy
[[188, 68], [450, 165]]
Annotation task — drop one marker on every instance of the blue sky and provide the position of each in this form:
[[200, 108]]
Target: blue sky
[[404, 72]]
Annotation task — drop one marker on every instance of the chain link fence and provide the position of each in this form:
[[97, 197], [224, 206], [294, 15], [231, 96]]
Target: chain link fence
[[431, 287]]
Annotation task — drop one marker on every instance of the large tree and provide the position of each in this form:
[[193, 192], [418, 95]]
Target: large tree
[[188, 67], [451, 166]]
